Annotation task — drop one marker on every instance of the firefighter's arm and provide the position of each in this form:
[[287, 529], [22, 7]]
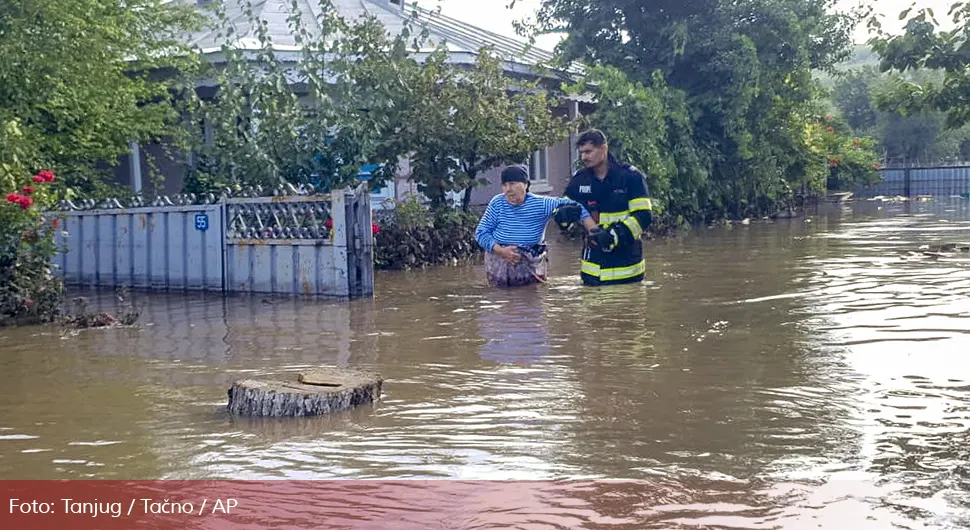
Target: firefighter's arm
[[572, 193], [640, 211]]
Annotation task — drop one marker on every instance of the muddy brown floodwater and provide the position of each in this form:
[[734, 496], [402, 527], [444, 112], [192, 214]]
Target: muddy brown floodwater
[[791, 374]]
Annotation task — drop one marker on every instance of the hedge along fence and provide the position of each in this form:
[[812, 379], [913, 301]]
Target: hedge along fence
[[412, 235]]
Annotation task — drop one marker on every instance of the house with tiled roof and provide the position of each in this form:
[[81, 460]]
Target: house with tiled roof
[[550, 167]]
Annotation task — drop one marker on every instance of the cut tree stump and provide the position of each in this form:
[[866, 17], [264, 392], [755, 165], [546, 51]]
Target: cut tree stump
[[315, 392]]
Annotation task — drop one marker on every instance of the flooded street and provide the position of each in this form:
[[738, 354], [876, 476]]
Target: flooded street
[[784, 374]]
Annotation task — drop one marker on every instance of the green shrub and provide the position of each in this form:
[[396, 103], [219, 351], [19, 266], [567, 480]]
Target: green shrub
[[413, 236]]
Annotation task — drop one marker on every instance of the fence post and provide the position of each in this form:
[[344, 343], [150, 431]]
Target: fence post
[[360, 243], [907, 181], [366, 254], [341, 235]]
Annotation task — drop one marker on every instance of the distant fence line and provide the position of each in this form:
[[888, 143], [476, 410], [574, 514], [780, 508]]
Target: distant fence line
[[283, 244], [937, 181]]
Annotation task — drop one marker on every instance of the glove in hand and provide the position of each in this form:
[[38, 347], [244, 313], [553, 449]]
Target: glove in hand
[[567, 214], [603, 239]]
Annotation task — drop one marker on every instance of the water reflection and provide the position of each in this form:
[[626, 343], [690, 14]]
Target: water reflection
[[898, 318], [788, 374], [513, 327]]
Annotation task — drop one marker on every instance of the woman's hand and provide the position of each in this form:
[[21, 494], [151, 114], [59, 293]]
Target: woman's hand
[[509, 254]]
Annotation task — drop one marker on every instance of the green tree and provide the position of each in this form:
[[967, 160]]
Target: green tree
[[368, 100], [461, 122], [852, 96], [666, 147], [744, 68], [79, 80], [924, 46], [82, 78], [902, 136]]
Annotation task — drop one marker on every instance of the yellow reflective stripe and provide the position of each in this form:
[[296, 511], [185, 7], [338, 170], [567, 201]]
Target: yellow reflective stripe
[[608, 218], [622, 273], [640, 203], [634, 226], [617, 273]]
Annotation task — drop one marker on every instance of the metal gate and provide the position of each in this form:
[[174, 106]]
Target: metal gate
[[285, 244]]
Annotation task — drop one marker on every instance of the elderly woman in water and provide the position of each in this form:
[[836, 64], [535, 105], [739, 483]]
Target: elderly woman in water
[[512, 230]]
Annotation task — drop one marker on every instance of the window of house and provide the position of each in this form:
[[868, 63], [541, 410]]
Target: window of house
[[539, 171]]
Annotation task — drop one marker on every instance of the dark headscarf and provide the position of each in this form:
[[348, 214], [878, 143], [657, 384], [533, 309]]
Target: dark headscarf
[[516, 173]]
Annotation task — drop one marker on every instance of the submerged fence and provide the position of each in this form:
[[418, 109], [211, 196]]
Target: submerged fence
[[939, 181], [284, 244]]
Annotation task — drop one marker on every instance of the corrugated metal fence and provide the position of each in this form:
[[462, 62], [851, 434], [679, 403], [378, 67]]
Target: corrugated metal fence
[[910, 182], [286, 244]]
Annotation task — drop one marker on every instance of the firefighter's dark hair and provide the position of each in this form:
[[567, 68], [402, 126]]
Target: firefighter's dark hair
[[591, 136]]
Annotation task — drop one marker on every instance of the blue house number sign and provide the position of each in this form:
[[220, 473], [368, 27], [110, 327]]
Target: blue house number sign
[[201, 221]]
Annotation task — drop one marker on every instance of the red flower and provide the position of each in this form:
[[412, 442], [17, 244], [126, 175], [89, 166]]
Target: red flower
[[13, 197], [28, 189], [46, 176], [38, 179], [375, 229], [56, 223], [25, 202], [329, 224]]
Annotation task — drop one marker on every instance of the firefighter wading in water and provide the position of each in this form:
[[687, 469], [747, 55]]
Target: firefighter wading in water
[[616, 196]]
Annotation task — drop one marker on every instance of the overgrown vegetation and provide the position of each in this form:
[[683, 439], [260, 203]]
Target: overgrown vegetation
[[368, 100], [729, 88], [80, 80], [905, 90], [413, 236], [924, 46], [28, 289], [77, 83], [862, 96]]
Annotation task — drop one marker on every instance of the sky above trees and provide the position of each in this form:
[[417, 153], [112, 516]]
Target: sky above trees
[[493, 15]]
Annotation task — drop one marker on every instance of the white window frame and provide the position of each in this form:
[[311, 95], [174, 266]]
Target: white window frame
[[539, 171]]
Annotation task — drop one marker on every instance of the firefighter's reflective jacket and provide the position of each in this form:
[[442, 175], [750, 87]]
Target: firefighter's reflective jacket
[[619, 203]]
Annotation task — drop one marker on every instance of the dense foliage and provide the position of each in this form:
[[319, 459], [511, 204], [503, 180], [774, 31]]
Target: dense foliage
[[413, 235], [902, 136], [369, 101], [76, 86], [76, 78], [28, 289], [732, 85], [924, 46]]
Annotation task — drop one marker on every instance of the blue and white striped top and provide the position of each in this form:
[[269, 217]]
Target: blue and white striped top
[[524, 224]]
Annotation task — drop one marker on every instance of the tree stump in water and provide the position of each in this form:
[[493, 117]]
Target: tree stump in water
[[319, 391]]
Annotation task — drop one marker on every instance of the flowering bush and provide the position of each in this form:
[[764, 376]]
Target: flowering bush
[[849, 161], [835, 160], [27, 286]]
